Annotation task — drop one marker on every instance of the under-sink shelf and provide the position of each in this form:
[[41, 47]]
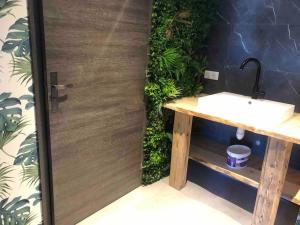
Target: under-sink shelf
[[213, 155]]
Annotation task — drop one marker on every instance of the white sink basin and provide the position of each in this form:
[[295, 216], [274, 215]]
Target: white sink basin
[[243, 109]]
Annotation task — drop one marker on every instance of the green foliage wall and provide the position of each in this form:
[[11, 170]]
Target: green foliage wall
[[179, 34]]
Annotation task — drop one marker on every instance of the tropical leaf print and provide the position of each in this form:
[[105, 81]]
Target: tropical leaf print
[[31, 174], [22, 69], [15, 212], [27, 154], [29, 98], [8, 136], [30, 219], [10, 112], [11, 123], [37, 197], [17, 40], [19, 173], [6, 6], [5, 180]]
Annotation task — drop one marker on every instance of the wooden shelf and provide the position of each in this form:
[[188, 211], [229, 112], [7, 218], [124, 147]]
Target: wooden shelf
[[213, 156]]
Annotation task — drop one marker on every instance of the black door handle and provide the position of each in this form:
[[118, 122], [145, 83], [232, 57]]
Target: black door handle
[[55, 89]]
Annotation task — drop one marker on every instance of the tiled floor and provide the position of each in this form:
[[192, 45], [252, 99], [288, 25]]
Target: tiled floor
[[159, 204]]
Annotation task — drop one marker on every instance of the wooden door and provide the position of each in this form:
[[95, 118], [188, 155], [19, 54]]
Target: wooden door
[[96, 56]]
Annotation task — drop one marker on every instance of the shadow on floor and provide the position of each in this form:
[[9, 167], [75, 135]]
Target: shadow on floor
[[237, 192]]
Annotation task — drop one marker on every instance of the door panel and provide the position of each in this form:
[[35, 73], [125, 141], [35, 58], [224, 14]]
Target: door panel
[[99, 49]]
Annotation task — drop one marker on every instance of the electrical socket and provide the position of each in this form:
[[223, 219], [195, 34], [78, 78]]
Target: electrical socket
[[211, 75]]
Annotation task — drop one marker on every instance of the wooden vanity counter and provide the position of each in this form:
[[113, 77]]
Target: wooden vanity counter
[[271, 176], [287, 131]]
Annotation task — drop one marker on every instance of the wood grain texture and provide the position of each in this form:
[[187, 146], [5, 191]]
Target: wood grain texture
[[272, 179], [100, 47], [213, 155], [288, 131], [180, 150]]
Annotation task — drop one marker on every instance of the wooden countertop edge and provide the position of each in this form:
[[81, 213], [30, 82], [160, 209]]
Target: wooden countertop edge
[[275, 134]]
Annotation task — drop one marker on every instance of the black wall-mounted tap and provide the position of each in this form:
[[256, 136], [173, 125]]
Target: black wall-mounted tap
[[256, 92]]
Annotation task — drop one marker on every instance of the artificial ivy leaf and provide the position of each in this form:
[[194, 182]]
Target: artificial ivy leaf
[[184, 14], [174, 44]]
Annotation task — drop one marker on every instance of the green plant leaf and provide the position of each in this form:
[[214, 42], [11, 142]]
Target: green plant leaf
[[169, 58], [176, 65], [37, 196], [22, 69], [10, 113], [30, 174], [10, 133], [27, 153], [9, 102], [5, 180], [17, 40], [29, 98], [11, 123], [6, 6], [4, 95], [15, 212]]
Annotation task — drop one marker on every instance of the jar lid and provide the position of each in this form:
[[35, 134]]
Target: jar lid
[[238, 151]]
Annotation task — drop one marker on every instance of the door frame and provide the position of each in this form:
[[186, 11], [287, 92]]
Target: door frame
[[35, 15]]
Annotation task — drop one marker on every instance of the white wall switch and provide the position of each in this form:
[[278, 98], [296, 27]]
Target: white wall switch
[[211, 75]]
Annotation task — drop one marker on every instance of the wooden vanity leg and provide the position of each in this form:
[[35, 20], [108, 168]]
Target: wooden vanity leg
[[180, 150], [272, 178]]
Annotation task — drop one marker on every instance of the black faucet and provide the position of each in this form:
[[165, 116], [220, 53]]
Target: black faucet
[[256, 92]]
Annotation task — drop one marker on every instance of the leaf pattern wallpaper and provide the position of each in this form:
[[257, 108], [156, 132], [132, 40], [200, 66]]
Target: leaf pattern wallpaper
[[20, 197]]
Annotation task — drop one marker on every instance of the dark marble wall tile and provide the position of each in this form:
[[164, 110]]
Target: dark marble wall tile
[[243, 42], [239, 81], [253, 12], [218, 47], [282, 87], [287, 11], [283, 52], [247, 12], [212, 86], [275, 12], [277, 47]]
